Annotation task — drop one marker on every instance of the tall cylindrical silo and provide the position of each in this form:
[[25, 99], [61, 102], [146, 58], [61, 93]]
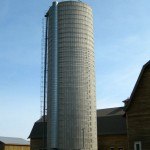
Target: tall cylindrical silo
[[71, 100]]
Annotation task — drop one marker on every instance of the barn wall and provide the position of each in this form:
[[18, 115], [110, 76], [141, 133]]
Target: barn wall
[[138, 113], [116, 141], [16, 147], [36, 144], [1, 146]]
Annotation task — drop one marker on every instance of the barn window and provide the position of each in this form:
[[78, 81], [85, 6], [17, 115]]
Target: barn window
[[137, 145]]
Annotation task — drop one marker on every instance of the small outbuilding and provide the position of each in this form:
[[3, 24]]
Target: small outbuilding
[[11, 143]]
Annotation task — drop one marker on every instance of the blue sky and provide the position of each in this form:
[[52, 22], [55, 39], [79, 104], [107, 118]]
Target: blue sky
[[122, 47]]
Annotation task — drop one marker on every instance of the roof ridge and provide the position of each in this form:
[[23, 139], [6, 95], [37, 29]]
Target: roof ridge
[[110, 108]]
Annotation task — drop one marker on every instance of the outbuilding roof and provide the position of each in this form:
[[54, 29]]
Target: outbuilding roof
[[110, 112], [13, 141], [111, 121], [111, 125]]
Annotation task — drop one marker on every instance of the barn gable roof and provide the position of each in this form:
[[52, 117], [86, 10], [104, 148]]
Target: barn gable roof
[[37, 131], [136, 85]]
